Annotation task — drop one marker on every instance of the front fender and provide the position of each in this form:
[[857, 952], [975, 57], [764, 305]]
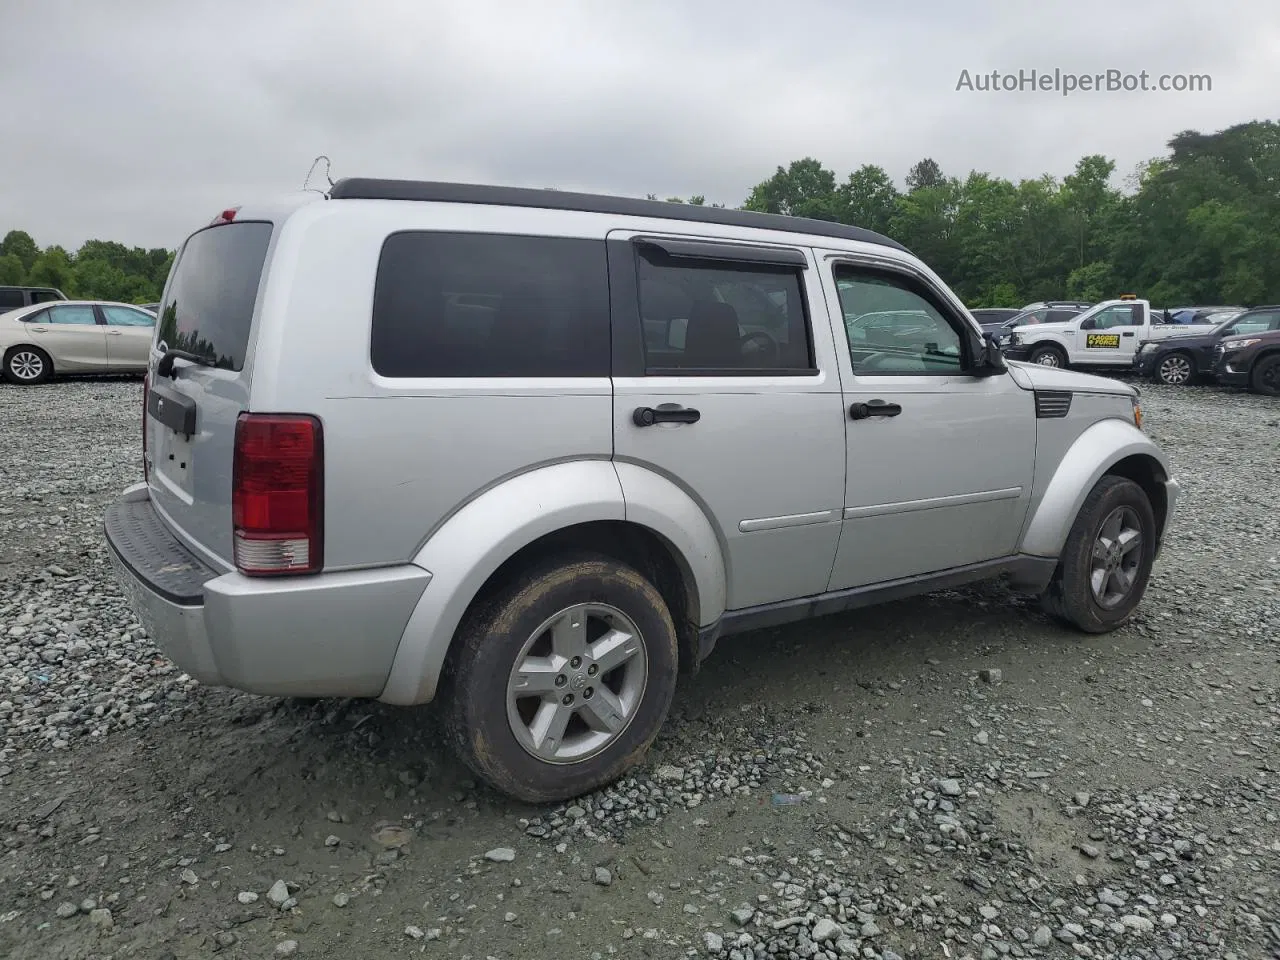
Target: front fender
[[474, 542], [1093, 453]]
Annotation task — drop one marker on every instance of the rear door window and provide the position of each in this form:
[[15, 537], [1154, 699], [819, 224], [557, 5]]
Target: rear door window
[[209, 307], [11, 299], [81, 315], [490, 305]]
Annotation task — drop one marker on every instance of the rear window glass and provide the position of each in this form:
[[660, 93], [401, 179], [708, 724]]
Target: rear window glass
[[489, 305], [209, 306], [11, 298]]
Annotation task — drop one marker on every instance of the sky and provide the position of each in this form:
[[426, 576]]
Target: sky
[[144, 118]]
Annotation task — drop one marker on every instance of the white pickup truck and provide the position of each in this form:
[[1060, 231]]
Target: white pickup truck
[[1105, 335]]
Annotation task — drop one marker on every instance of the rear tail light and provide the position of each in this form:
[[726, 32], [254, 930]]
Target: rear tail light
[[277, 495]]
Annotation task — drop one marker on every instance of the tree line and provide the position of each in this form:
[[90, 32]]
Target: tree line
[[1199, 226], [99, 270]]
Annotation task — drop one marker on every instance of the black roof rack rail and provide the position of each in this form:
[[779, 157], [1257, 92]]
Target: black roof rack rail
[[363, 188]]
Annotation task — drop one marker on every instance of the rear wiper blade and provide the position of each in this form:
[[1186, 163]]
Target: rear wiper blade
[[165, 367]]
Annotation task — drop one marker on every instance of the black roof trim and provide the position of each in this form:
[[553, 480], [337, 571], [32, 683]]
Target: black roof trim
[[363, 188]]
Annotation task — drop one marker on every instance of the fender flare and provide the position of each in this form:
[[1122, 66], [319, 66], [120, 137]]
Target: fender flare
[[1087, 460], [474, 542]]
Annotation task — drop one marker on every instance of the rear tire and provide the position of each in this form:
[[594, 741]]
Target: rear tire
[[1265, 378], [561, 678], [1106, 563], [1048, 356], [27, 366]]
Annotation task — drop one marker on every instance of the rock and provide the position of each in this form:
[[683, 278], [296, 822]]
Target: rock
[[603, 877], [991, 675], [669, 774], [824, 930], [1042, 937], [501, 855], [1082, 799], [1137, 924], [509, 917], [189, 877], [1090, 851], [331, 841], [66, 910], [286, 948], [869, 929], [742, 916], [278, 894], [988, 913], [247, 897], [101, 918], [848, 948], [713, 942], [341, 899], [950, 787], [414, 933], [981, 738]]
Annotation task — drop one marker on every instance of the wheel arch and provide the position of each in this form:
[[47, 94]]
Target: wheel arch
[[1109, 447], [558, 508]]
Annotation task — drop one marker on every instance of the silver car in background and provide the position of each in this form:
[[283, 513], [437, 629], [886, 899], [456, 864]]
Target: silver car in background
[[42, 340]]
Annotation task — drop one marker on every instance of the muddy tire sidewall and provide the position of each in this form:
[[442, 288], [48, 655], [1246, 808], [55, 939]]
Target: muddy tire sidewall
[[475, 682]]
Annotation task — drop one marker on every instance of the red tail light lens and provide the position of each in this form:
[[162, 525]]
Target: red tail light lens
[[277, 495]]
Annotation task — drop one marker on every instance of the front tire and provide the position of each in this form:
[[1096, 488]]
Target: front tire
[[1048, 356], [27, 366], [1265, 378], [1106, 563], [561, 678], [1176, 370]]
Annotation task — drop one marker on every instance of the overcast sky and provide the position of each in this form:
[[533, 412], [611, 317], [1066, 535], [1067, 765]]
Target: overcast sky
[[138, 120]]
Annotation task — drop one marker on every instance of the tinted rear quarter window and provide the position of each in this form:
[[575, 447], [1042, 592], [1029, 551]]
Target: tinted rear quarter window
[[209, 307], [490, 305], [11, 299]]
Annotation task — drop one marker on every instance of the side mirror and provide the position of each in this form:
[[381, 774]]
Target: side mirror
[[989, 358]]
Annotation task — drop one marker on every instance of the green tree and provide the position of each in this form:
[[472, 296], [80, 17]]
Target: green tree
[[924, 174], [868, 198], [18, 243], [12, 271], [804, 189], [53, 268]]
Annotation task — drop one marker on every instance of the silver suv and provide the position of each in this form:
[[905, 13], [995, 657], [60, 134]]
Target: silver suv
[[532, 453]]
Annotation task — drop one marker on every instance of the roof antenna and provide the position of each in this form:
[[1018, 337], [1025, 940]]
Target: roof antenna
[[323, 193]]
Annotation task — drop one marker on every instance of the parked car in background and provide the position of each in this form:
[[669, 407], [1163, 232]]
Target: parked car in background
[[1184, 357], [14, 298], [1196, 315], [1252, 361], [1078, 305], [151, 307], [1032, 317], [1105, 336], [444, 445], [74, 336], [993, 315]]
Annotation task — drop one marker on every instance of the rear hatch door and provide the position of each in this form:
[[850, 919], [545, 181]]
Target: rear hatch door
[[207, 317]]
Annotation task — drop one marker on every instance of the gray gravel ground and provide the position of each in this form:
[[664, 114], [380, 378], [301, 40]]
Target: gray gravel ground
[[952, 777]]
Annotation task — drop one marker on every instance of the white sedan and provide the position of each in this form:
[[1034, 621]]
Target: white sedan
[[74, 336]]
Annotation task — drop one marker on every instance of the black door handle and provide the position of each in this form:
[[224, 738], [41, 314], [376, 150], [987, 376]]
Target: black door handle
[[666, 413], [873, 408], [1129, 334]]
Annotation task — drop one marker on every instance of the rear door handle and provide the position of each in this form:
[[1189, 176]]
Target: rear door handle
[[873, 408], [665, 413], [1129, 334], [114, 333], [40, 329]]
